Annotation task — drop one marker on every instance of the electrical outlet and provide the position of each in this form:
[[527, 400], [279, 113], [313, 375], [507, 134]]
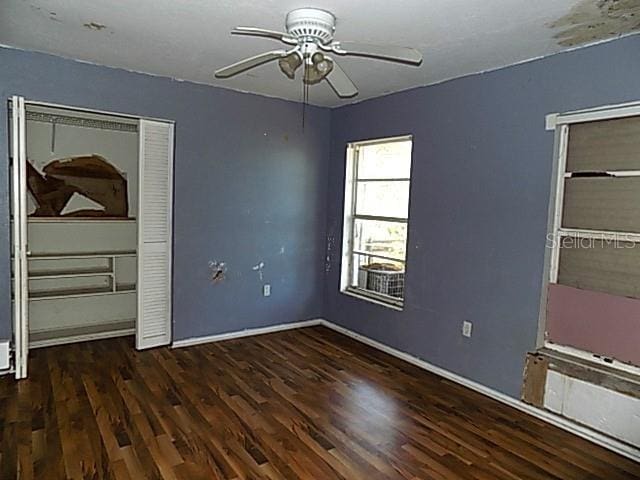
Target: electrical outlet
[[266, 290], [466, 328]]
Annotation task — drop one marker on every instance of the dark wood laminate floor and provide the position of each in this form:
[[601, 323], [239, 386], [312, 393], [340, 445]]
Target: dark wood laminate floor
[[303, 404]]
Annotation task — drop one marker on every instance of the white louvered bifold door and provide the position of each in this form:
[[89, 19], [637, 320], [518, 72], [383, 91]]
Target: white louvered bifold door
[[154, 234]]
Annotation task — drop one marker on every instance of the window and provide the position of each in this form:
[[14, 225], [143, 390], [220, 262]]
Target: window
[[375, 219], [594, 276]]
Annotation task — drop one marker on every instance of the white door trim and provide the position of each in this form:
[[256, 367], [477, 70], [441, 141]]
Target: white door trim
[[19, 209]]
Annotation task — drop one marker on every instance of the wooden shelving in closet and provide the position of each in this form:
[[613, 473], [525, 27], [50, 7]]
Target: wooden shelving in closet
[[107, 272]]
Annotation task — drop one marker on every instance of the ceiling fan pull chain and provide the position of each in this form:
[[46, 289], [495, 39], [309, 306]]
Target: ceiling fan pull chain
[[304, 94]]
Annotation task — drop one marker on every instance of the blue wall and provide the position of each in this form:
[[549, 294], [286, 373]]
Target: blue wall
[[250, 186], [479, 197]]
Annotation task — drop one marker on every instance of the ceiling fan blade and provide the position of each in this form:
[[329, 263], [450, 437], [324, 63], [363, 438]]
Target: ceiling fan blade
[[248, 63], [384, 52], [340, 82], [262, 32]]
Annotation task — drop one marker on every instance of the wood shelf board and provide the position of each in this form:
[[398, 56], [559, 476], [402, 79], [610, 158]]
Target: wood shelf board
[[97, 272], [41, 335], [76, 255], [79, 219], [64, 292], [80, 292], [48, 338]]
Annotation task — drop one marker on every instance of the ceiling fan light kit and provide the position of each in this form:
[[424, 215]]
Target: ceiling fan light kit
[[309, 31], [290, 64]]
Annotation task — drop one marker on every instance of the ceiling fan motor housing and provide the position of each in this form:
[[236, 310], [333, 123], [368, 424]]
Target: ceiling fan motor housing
[[311, 24]]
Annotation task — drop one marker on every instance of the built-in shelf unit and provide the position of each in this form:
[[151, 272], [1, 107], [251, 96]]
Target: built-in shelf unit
[[81, 277], [92, 279]]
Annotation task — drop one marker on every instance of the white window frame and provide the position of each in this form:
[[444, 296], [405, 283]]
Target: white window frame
[[350, 217], [561, 122]]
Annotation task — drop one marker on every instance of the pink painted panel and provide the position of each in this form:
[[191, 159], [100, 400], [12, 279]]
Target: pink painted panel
[[597, 322]]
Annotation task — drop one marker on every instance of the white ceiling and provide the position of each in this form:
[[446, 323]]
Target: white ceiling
[[190, 39]]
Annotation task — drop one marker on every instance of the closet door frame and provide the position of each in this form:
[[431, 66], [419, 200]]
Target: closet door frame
[[20, 281]]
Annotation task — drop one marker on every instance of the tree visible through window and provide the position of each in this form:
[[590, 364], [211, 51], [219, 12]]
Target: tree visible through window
[[376, 216]]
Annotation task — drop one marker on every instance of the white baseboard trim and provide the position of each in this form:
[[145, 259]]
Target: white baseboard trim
[[560, 422], [187, 342], [82, 338]]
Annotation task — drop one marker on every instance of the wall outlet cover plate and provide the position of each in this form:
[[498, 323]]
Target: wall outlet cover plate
[[467, 328]]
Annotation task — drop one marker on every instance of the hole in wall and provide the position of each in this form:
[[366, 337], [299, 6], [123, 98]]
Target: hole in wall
[[217, 271]]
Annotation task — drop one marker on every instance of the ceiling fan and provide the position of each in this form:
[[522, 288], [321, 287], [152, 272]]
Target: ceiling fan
[[310, 34]]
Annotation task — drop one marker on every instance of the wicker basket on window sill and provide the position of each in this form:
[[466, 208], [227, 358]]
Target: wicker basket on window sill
[[385, 278]]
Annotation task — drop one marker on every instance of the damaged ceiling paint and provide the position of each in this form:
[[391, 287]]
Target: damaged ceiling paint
[[95, 26], [190, 40], [592, 21]]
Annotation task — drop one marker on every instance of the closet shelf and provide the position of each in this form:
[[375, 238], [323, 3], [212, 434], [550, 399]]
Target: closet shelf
[[98, 272], [68, 292], [81, 269], [64, 256], [79, 219], [80, 292]]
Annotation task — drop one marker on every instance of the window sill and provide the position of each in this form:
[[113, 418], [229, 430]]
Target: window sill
[[372, 298]]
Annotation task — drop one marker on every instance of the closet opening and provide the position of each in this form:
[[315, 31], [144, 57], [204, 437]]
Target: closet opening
[[92, 201], [82, 179]]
